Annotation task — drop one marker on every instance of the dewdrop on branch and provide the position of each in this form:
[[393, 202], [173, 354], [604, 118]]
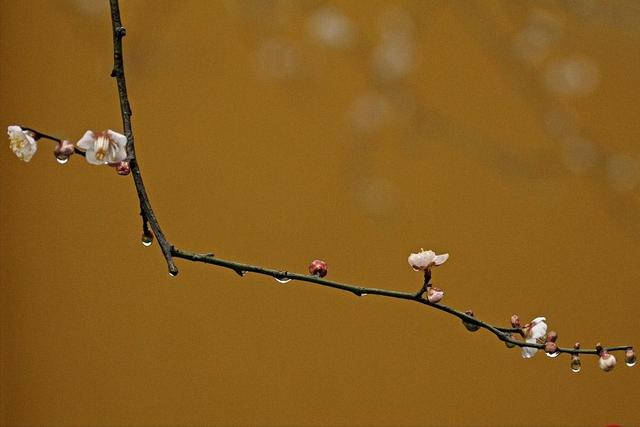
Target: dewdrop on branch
[[550, 346], [576, 366], [103, 147], [147, 237], [64, 149], [23, 143], [471, 327], [630, 357], [318, 268]]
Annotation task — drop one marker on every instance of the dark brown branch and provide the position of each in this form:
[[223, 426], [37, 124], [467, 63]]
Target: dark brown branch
[[502, 333], [125, 108]]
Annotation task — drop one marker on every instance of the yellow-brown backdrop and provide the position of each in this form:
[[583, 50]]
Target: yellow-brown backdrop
[[275, 132]]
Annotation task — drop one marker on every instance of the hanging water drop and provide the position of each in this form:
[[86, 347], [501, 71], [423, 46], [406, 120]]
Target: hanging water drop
[[240, 273], [630, 357], [576, 366], [282, 280], [146, 241], [554, 354], [62, 160], [363, 295], [173, 273]]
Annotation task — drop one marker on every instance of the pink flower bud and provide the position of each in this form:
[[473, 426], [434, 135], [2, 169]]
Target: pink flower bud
[[318, 268], [607, 361], [123, 168], [515, 321], [552, 336], [434, 295], [550, 347]]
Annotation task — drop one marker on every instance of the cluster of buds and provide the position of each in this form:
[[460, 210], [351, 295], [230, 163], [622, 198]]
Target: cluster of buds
[[424, 261], [98, 148]]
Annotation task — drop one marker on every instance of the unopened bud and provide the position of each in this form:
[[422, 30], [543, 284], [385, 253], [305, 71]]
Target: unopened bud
[[471, 327], [123, 168], [552, 336], [63, 151], [551, 349], [630, 357], [607, 361], [434, 295], [515, 321], [318, 268]]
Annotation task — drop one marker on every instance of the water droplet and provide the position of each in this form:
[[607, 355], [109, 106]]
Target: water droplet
[[630, 363], [146, 241], [240, 273], [282, 280], [576, 366], [173, 274], [556, 354], [363, 295], [62, 160]]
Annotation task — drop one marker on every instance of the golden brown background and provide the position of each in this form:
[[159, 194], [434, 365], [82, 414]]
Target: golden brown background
[[275, 132]]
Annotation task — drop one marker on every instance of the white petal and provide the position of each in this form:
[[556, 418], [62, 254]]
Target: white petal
[[529, 352], [440, 259], [87, 141], [116, 155], [91, 158], [13, 130], [118, 138]]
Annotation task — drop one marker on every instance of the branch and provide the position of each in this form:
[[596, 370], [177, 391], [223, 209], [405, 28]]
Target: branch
[[427, 295], [125, 108]]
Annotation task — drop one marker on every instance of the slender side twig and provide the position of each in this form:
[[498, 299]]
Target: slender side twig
[[169, 251], [125, 108]]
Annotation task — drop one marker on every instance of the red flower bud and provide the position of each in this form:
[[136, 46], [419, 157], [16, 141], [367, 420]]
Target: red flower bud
[[318, 268]]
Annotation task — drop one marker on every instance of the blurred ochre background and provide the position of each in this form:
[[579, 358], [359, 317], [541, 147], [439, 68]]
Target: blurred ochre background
[[275, 132]]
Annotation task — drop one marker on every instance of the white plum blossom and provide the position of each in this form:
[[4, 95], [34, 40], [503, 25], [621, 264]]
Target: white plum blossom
[[103, 147], [22, 143], [607, 361], [424, 260], [535, 330]]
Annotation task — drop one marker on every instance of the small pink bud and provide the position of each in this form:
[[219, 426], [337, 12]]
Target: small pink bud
[[123, 168], [63, 151], [552, 336], [318, 268], [550, 347], [607, 361], [515, 321], [434, 295]]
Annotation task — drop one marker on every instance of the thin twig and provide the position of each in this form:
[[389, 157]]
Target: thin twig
[[504, 334]]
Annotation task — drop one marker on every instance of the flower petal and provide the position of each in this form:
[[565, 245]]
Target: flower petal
[[440, 259], [118, 138], [87, 141], [529, 352], [91, 158]]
